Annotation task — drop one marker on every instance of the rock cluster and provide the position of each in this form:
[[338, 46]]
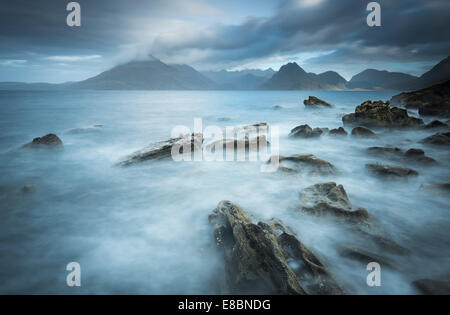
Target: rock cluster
[[305, 131]]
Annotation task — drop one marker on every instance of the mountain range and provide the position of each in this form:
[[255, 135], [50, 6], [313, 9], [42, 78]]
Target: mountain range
[[153, 74]]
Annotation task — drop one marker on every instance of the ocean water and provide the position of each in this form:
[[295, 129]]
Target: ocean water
[[144, 229]]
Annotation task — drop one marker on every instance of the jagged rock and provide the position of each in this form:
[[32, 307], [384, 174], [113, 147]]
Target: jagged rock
[[434, 100], [435, 124], [362, 132], [314, 101], [306, 162], [432, 287], [266, 258], [364, 256], [412, 155], [442, 139], [338, 132], [305, 131], [380, 115], [384, 170], [329, 199], [28, 189], [163, 149], [48, 141], [246, 144]]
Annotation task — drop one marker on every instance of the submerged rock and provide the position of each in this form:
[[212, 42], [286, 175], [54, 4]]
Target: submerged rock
[[277, 107], [305, 131], [432, 287], [313, 101], [267, 257], [364, 256], [362, 132], [163, 149], [431, 101], [384, 170], [329, 199], [442, 139], [412, 155], [86, 130], [28, 189], [443, 188], [380, 115], [48, 141], [435, 124], [338, 132], [307, 162]]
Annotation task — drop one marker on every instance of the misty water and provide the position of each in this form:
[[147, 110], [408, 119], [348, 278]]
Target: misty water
[[144, 229]]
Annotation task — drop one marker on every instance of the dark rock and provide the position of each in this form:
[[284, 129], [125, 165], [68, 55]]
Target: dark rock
[[329, 199], [432, 287], [163, 149], [412, 155], [436, 188], [86, 130], [380, 115], [432, 101], [362, 132], [49, 141], [435, 124], [442, 139], [246, 143], [266, 258], [384, 170], [305, 131], [364, 256], [338, 132], [223, 119], [314, 101], [28, 189], [307, 162], [277, 107]]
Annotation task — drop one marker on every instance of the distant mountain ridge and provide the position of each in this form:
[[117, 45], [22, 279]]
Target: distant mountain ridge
[[153, 74]]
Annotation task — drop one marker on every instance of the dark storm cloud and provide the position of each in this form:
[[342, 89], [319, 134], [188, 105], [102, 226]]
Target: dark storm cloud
[[413, 31]]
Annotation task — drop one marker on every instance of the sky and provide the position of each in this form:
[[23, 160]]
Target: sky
[[36, 44]]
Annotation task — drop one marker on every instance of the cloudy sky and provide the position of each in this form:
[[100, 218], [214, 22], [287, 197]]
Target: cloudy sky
[[36, 45]]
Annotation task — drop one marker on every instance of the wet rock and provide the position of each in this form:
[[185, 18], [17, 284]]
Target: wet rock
[[431, 101], [305, 131], [267, 257], [412, 155], [313, 101], [364, 256], [305, 163], [384, 170], [362, 132], [28, 189], [163, 149], [443, 188], [380, 115], [441, 139], [418, 156], [48, 141], [338, 132], [435, 124], [86, 130], [432, 287], [329, 199], [247, 144]]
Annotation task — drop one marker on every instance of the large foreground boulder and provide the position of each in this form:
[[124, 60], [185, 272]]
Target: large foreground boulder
[[390, 171], [308, 163], [432, 101], [380, 115], [329, 199], [313, 101], [267, 257], [48, 141]]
